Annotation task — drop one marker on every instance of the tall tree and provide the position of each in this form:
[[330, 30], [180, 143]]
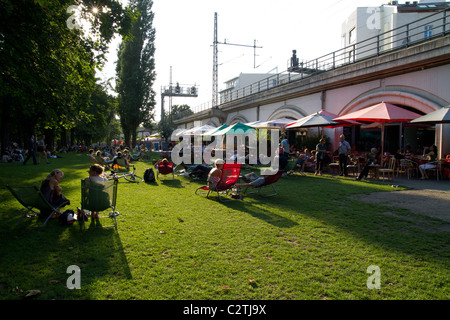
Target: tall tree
[[48, 69], [136, 72]]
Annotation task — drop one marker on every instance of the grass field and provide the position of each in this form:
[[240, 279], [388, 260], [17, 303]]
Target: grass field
[[309, 242]]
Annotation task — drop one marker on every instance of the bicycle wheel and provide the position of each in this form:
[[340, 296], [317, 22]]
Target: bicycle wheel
[[134, 178]]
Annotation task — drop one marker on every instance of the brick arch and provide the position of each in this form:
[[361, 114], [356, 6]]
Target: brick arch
[[411, 97], [213, 123], [237, 118], [287, 112]]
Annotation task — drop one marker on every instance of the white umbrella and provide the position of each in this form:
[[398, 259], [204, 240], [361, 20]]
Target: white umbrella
[[439, 116], [199, 130], [274, 124]]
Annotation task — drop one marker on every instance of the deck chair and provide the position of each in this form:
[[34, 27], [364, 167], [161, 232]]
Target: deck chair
[[99, 196], [101, 161], [165, 169], [32, 198], [269, 181], [121, 164], [230, 176], [291, 166]]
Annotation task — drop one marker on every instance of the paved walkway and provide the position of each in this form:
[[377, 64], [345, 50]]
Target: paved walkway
[[427, 197], [429, 184]]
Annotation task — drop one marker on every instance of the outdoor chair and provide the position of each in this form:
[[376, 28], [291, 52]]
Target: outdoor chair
[[230, 176], [269, 181], [334, 164], [291, 166], [353, 165], [101, 161], [436, 169], [165, 169], [32, 198], [407, 167], [98, 197], [121, 164], [390, 169]]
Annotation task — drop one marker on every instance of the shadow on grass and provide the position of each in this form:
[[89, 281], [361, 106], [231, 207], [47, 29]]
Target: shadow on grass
[[38, 259], [172, 183], [369, 222]]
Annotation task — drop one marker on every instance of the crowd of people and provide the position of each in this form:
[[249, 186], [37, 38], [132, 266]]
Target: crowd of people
[[315, 160], [307, 160]]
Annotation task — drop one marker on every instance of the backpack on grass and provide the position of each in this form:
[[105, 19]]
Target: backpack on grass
[[149, 175]]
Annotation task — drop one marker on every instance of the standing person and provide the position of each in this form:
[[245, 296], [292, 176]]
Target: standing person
[[285, 146], [320, 156], [344, 151], [41, 148], [31, 151]]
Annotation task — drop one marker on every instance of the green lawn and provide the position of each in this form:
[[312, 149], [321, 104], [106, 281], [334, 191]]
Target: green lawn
[[309, 242]]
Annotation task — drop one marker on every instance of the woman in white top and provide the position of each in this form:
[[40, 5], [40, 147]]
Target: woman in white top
[[215, 174]]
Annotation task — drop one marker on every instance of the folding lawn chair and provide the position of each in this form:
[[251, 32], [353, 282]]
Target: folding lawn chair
[[32, 198], [100, 196], [121, 164], [269, 181], [230, 175], [291, 166], [165, 169], [101, 161]]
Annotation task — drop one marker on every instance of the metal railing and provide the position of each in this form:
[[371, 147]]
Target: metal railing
[[422, 30]]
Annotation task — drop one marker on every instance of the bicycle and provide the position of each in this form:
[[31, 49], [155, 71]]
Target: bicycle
[[130, 176]]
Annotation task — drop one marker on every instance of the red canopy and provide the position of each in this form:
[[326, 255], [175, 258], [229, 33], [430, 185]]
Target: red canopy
[[382, 112], [342, 122]]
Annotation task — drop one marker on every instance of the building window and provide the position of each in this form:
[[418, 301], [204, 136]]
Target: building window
[[428, 31], [352, 36]]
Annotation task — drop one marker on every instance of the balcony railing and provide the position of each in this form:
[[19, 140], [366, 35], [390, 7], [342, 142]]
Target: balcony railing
[[422, 30]]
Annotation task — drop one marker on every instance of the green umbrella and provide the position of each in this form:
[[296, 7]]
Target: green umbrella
[[237, 128]]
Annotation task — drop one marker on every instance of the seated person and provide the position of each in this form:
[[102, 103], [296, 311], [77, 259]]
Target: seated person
[[257, 182], [120, 156], [105, 159], [372, 158], [200, 171], [91, 154], [431, 155], [302, 158], [399, 155], [163, 161], [215, 174], [408, 153], [96, 175], [51, 189]]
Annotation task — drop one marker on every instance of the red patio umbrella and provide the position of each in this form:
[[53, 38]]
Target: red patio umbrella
[[382, 112]]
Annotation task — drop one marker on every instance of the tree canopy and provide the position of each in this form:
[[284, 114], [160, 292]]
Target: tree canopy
[[47, 79]]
